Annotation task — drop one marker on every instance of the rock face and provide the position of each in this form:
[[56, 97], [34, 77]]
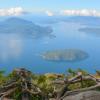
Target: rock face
[[89, 95], [69, 55]]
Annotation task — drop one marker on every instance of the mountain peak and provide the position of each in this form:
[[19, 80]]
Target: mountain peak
[[17, 20]]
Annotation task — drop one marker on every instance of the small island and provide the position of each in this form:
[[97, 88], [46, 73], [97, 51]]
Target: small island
[[69, 55]]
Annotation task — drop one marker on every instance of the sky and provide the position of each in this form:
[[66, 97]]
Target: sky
[[52, 7]]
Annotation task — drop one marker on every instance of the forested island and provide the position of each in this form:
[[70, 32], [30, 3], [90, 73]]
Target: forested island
[[69, 55], [23, 27]]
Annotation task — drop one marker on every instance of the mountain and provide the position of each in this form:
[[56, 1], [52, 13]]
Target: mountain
[[23, 27], [87, 20]]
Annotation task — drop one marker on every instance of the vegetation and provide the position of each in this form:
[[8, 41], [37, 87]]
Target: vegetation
[[70, 55], [21, 84]]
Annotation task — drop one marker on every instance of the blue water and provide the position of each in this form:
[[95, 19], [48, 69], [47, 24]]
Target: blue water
[[16, 51]]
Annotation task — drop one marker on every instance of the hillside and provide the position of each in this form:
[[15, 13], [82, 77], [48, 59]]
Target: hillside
[[23, 27]]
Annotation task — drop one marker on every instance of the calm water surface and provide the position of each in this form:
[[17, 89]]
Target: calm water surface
[[18, 51]]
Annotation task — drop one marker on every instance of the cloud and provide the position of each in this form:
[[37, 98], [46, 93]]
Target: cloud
[[15, 11], [12, 11], [83, 12], [49, 13]]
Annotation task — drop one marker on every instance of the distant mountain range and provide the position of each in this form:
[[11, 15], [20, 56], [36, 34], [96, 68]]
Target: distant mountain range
[[23, 27], [86, 20]]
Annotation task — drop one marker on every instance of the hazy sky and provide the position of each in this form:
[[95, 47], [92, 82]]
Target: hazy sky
[[51, 5]]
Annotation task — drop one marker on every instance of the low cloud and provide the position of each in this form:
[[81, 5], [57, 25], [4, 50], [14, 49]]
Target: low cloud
[[12, 11], [83, 12], [15, 11], [49, 13]]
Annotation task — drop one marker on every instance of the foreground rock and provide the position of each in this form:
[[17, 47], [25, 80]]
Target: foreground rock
[[89, 95]]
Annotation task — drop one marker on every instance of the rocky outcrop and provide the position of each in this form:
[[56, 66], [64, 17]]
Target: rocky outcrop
[[89, 95]]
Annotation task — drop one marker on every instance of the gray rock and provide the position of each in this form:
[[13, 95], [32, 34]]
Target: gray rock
[[89, 95]]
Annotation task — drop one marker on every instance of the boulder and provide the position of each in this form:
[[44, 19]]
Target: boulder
[[89, 95]]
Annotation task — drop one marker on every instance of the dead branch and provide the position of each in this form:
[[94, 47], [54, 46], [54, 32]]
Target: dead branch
[[2, 95], [78, 78]]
